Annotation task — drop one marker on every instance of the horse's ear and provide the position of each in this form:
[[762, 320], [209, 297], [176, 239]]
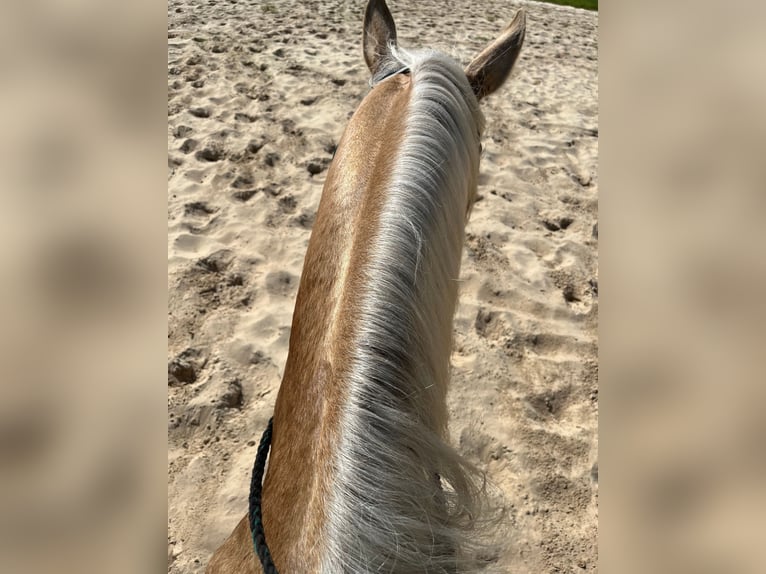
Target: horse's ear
[[487, 72], [379, 33]]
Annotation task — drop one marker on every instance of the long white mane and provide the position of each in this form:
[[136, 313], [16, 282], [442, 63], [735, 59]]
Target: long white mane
[[404, 501]]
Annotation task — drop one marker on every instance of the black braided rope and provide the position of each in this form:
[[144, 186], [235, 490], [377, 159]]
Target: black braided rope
[[256, 486]]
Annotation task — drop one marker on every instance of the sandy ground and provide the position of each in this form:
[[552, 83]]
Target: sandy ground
[[258, 95]]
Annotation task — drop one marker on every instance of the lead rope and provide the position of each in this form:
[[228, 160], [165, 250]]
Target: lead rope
[[256, 523]]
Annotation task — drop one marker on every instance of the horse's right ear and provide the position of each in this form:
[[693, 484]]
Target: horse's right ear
[[379, 34], [487, 72]]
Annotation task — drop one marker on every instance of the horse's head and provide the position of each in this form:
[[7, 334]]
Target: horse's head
[[454, 104], [486, 72]]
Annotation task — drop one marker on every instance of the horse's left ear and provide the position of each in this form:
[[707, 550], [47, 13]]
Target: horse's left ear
[[379, 34], [487, 72]]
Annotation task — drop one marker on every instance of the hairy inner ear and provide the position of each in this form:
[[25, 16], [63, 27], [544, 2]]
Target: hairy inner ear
[[487, 72], [379, 34]]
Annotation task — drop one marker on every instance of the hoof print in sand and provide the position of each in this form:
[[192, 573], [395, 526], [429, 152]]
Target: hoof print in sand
[[199, 208], [280, 283], [570, 294], [288, 204], [216, 262], [241, 117], [305, 220], [483, 321], [557, 224], [232, 397], [317, 165], [210, 154], [271, 159], [185, 368], [244, 195], [254, 146], [182, 131], [549, 404], [200, 112], [189, 146], [242, 182], [181, 372]]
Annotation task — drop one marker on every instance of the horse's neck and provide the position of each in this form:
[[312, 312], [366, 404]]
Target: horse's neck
[[360, 416], [315, 390]]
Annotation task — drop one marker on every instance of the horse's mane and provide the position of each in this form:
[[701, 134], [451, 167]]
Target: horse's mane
[[404, 500]]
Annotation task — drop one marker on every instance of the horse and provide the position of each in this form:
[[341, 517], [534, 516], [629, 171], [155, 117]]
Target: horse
[[361, 476]]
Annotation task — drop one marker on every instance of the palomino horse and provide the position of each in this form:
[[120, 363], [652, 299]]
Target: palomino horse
[[360, 476]]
